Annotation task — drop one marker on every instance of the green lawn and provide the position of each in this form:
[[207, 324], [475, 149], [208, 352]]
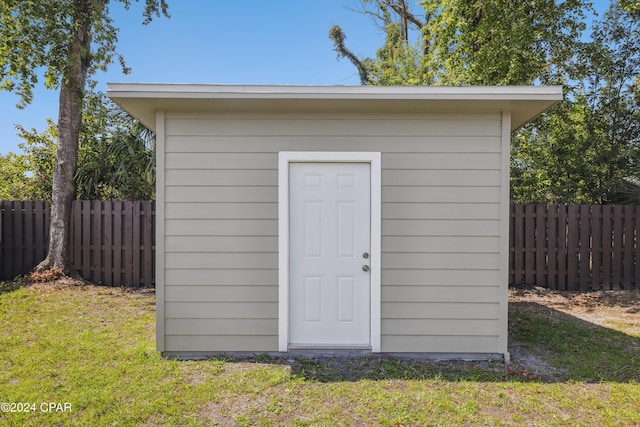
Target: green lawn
[[93, 349]]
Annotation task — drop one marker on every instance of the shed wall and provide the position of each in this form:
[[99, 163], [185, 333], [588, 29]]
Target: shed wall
[[441, 223]]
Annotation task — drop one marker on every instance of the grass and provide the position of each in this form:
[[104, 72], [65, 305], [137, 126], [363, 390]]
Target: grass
[[93, 347]]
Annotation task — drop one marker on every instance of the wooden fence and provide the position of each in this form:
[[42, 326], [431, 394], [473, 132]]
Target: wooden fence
[[566, 247], [112, 242], [575, 247]]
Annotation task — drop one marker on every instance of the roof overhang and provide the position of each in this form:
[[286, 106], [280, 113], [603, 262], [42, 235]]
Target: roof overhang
[[142, 100]]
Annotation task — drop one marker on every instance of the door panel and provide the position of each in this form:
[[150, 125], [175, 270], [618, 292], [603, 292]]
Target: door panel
[[330, 226]]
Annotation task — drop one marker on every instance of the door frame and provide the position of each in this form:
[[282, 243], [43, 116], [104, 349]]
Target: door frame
[[284, 159]]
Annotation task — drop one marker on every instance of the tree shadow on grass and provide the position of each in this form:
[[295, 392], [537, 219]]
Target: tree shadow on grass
[[10, 286], [572, 348], [547, 346]]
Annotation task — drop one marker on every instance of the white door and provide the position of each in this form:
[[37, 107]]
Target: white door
[[330, 235]]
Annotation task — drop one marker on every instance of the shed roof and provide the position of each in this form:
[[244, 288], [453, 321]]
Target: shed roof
[[142, 100]]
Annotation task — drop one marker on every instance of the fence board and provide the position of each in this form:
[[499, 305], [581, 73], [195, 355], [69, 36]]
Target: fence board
[[136, 244], [518, 252], [529, 243], [628, 267], [596, 246], [96, 271], [557, 246], [98, 240], [616, 265], [128, 242], [28, 241], [42, 230], [76, 236], [562, 247], [147, 242], [585, 248], [117, 242], [18, 236], [541, 244], [607, 242], [107, 236], [86, 238], [552, 245], [7, 235], [636, 281], [573, 243]]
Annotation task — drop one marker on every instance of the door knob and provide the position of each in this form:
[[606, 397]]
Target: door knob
[[365, 268], [365, 255]]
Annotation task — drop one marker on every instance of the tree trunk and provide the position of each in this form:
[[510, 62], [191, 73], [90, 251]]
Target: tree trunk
[[69, 120]]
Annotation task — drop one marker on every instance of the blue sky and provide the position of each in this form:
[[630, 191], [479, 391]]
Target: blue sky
[[232, 42]]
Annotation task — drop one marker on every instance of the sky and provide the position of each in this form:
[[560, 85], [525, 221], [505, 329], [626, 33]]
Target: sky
[[223, 42]]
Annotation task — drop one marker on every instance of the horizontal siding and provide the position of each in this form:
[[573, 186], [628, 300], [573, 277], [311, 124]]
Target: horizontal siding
[[221, 211], [222, 327], [429, 210], [444, 195], [416, 126], [440, 226], [429, 261], [440, 327], [212, 194], [394, 161], [221, 260], [221, 227], [440, 277], [221, 310], [220, 343], [270, 144], [442, 161], [227, 277], [440, 311], [221, 161], [247, 115], [439, 344], [443, 178], [440, 244], [439, 294], [221, 244], [391, 177], [227, 178], [213, 293]]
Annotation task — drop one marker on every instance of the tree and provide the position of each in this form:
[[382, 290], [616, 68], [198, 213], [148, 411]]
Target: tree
[[69, 40], [588, 149], [468, 42], [583, 151], [40, 155], [116, 156], [14, 182]]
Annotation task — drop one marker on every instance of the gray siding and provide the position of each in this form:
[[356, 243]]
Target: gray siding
[[441, 212]]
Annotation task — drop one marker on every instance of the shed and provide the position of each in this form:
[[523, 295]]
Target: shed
[[322, 218]]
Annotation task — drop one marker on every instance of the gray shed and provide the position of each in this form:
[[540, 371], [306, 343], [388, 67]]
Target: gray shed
[[332, 218]]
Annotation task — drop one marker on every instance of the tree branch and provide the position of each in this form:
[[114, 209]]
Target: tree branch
[[337, 35]]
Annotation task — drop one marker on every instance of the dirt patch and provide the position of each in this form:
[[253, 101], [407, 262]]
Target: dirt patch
[[618, 310], [603, 308]]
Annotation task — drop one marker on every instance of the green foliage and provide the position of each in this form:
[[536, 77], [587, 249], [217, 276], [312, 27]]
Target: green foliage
[[40, 154], [587, 150], [463, 42], [500, 42], [93, 347], [15, 183], [584, 151], [35, 38], [116, 158]]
